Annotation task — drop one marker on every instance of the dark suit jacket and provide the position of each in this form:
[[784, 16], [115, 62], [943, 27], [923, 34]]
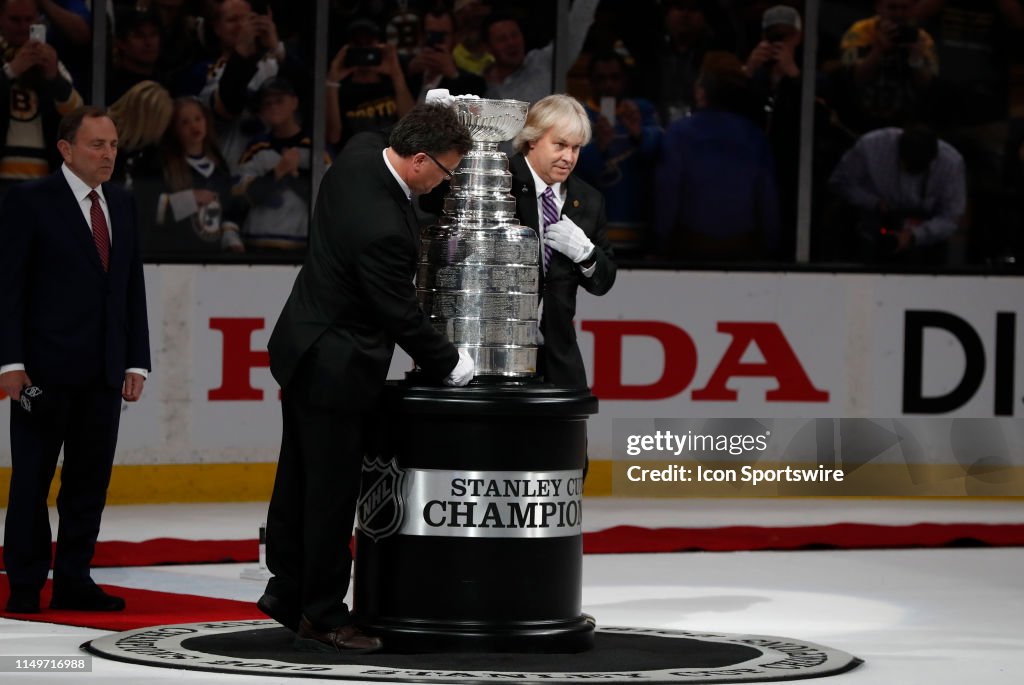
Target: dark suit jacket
[[562, 362], [60, 314], [354, 297]]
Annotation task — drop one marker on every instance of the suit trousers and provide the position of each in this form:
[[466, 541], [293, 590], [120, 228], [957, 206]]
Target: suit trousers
[[312, 509], [84, 421]]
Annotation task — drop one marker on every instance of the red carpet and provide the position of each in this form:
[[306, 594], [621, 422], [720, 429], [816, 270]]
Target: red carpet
[[145, 608], [633, 539], [628, 540]]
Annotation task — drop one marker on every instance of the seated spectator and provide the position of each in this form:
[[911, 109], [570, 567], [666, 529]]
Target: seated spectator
[[250, 55], [433, 65], [716, 196], [470, 51], [909, 190], [185, 200], [774, 72], [520, 75], [276, 176], [891, 64], [36, 91], [367, 80], [619, 160], [136, 52], [142, 115]]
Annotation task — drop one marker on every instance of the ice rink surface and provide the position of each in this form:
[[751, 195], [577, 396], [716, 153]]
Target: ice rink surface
[[949, 616]]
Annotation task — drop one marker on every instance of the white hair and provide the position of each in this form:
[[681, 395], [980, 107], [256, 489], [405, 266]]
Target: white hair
[[554, 111]]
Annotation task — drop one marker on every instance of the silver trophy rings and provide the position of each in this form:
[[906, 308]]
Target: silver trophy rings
[[479, 272]]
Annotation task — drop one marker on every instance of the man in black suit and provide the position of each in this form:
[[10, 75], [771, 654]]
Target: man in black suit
[[73, 325], [353, 300], [572, 225]]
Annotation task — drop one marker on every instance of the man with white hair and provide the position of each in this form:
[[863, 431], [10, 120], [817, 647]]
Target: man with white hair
[[569, 216]]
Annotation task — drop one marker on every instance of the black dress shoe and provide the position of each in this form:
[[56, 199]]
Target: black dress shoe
[[23, 602], [344, 639], [286, 614], [87, 598]]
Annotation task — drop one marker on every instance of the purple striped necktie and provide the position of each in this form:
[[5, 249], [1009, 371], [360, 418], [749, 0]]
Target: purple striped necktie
[[547, 201]]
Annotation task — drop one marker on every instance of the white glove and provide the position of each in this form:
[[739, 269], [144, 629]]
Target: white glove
[[569, 239], [462, 374], [439, 96]]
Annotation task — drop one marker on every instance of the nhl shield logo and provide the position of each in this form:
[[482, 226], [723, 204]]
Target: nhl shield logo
[[381, 506]]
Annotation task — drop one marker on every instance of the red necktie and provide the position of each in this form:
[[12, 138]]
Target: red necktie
[[100, 234]]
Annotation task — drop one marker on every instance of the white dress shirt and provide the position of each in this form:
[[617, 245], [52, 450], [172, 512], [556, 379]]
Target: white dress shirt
[[405, 187]]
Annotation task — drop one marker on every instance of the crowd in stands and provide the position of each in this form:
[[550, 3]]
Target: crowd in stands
[[697, 108]]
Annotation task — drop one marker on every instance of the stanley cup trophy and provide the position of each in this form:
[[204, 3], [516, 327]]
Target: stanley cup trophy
[[479, 272], [469, 534]]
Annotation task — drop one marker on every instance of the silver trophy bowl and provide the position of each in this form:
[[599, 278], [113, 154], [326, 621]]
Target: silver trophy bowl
[[492, 121], [479, 272]]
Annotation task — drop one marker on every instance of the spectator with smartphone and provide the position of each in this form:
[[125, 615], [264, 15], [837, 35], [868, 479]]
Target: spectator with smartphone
[[890, 64], [773, 67], [251, 53], [69, 29], [367, 79], [36, 90], [433, 65], [619, 160]]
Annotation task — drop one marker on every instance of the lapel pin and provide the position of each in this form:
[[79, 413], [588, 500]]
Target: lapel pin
[[575, 203]]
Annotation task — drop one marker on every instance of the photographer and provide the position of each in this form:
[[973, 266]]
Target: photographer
[[251, 53], [434, 66], [775, 81], [909, 190], [891, 63], [366, 78], [35, 92]]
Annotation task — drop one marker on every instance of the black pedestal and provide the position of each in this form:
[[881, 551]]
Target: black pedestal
[[469, 534]]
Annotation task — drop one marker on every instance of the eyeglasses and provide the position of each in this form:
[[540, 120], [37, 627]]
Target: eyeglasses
[[448, 173]]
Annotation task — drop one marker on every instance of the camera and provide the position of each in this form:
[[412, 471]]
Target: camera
[[775, 34], [37, 32], [363, 57], [905, 34]]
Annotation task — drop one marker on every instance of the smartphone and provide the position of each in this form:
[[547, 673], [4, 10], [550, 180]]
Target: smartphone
[[363, 57], [435, 38], [37, 32], [608, 109]]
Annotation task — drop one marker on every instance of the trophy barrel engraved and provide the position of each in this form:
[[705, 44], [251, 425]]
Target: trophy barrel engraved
[[479, 273]]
